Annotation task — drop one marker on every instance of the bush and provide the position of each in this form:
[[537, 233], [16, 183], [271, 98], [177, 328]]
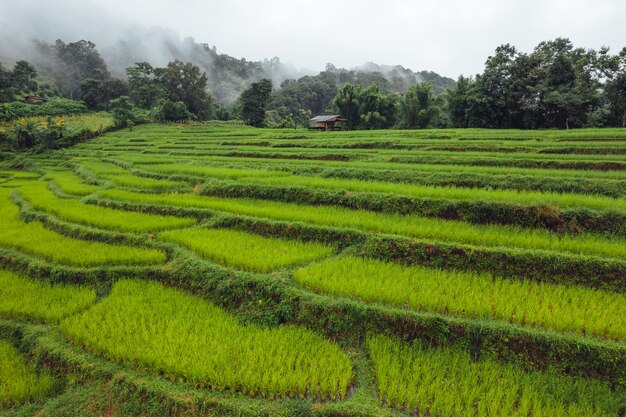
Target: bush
[[28, 133], [123, 112], [169, 110], [54, 107]]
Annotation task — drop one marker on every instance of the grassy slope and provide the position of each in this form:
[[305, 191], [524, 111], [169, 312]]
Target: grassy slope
[[129, 325]]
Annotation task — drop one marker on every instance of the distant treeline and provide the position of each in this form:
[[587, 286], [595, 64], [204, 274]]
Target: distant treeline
[[554, 86]]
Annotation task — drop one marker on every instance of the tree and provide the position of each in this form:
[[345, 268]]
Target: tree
[[74, 62], [113, 88], [418, 107], [457, 101], [122, 111], [20, 79], [378, 110], [366, 108], [568, 83], [348, 103], [23, 76], [166, 109], [184, 82], [5, 83], [222, 113], [495, 100], [556, 86], [97, 93], [280, 118], [615, 89], [254, 101], [90, 92], [144, 83]]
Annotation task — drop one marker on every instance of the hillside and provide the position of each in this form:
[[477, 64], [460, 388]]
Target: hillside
[[228, 76], [219, 269]]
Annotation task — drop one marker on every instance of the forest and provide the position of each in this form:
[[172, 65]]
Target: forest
[[557, 85]]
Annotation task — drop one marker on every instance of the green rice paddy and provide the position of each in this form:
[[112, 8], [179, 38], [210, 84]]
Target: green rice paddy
[[183, 270], [412, 226], [21, 297], [528, 303], [449, 383], [244, 250], [18, 380], [33, 238], [183, 336], [74, 211]]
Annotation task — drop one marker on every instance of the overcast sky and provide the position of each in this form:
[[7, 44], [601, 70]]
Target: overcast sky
[[450, 37]]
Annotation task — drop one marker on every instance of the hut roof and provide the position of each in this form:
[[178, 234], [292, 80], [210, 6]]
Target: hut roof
[[328, 118]]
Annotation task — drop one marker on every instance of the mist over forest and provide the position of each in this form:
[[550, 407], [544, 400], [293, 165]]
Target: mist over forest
[[122, 43], [90, 55]]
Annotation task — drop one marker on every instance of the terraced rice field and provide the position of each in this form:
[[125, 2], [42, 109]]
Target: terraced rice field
[[226, 270], [19, 381]]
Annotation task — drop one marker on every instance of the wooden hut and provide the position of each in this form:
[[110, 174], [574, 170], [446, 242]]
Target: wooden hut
[[328, 123], [34, 100]]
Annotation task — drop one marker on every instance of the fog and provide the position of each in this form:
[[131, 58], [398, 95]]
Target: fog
[[451, 37]]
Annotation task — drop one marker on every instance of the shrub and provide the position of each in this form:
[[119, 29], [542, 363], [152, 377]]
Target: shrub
[[28, 133], [54, 107], [122, 110], [169, 110]]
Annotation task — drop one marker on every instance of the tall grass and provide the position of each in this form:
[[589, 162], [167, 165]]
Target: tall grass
[[18, 381], [180, 335], [528, 303], [448, 383], [245, 250], [412, 226], [36, 240], [16, 183], [21, 297], [99, 167], [102, 217]]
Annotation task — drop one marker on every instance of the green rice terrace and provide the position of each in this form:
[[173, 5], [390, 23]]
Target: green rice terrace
[[220, 270]]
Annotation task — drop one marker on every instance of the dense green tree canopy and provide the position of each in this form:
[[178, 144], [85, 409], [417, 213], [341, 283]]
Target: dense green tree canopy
[[72, 63], [166, 109], [366, 108], [183, 82], [144, 84], [421, 109], [178, 82], [96, 93], [122, 110], [615, 89], [21, 78], [555, 86], [254, 102]]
